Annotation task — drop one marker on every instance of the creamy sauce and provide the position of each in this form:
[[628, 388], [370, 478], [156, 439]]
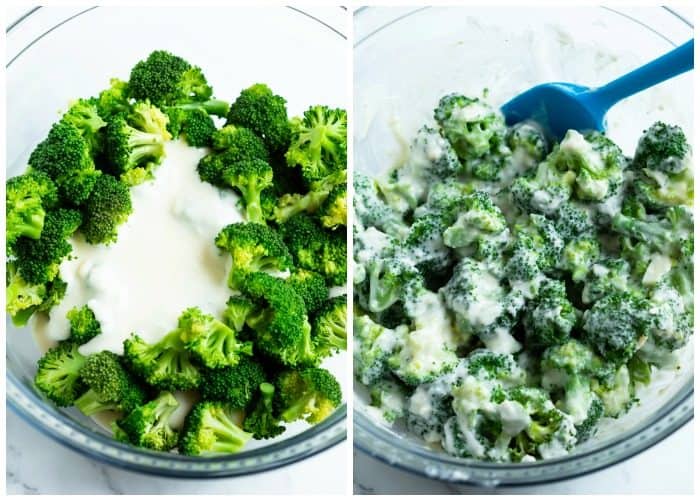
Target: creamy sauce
[[163, 262]]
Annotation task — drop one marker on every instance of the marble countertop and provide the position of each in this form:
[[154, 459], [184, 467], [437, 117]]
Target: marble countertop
[[64, 471], [657, 470]]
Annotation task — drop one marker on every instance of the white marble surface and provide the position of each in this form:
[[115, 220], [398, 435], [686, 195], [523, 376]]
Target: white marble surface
[[64, 471], [662, 469]]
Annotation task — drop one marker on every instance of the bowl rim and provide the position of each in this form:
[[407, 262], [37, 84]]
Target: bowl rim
[[678, 411], [47, 419]]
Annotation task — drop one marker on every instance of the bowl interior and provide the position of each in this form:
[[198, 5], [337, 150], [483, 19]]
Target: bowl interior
[[406, 59], [73, 52]]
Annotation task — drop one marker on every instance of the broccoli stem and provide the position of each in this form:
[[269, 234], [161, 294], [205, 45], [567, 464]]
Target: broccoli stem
[[215, 107], [229, 437], [90, 404]]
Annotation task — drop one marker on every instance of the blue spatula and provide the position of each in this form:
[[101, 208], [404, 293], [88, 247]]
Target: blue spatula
[[559, 106]]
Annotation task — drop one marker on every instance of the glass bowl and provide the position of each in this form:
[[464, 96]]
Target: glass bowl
[[57, 54], [406, 59]]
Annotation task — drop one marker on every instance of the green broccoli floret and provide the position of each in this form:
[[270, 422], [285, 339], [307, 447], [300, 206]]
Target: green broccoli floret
[[616, 392], [527, 140], [374, 345], [166, 365], [282, 329], [132, 153], [372, 211], [27, 198], [263, 112], [617, 325], [249, 177], [536, 249], [311, 202], [113, 100], [21, 299], [38, 260], [261, 421], [662, 148], [543, 189], [83, 324], [311, 287], [211, 341], [236, 385], [237, 310], [148, 425], [328, 330], [253, 247], [334, 209], [318, 142], [550, 317], [83, 114], [66, 157], [107, 207], [109, 386], [211, 430], [579, 256], [389, 278], [390, 397], [194, 124], [166, 79], [148, 118], [310, 394], [58, 373], [662, 233], [315, 249], [681, 274], [232, 144]]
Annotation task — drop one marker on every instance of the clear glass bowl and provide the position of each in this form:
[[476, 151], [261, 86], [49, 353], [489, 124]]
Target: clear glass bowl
[[406, 59], [57, 54]]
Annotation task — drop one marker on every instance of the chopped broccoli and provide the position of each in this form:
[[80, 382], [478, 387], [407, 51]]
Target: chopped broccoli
[[58, 373], [232, 144], [249, 177], [113, 100], [328, 331], [662, 148], [110, 386], [311, 287], [194, 124], [211, 430], [237, 310], [107, 207], [263, 112], [372, 211], [83, 324], [318, 142], [310, 394], [550, 317], [314, 200], [211, 341], [253, 247], [236, 385], [389, 397], [373, 346], [333, 211], [261, 421], [27, 198], [148, 425], [83, 115]]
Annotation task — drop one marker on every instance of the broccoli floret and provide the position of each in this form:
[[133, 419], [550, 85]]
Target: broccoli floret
[[58, 373], [113, 100], [194, 124], [66, 157], [664, 234], [38, 260], [166, 365], [681, 275], [232, 144], [261, 421], [263, 112], [328, 332], [27, 198], [334, 209], [310, 394], [315, 249], [318, 142], [166, 79], [579, 256], [424, 246], [390, 398], [236, 385], [249, 177], [311, 286], [528, 142], [107, 207], [662, 148], [550, 317], [132, 153], [148, 424], [389, 278], [373, 345], [282, 329], [148, 118], [597, 162], [109, 386], [617, 325], [431, 159], [615, 392], [83, 324], [21, 299], [605, 277], [314, 200], [254, 248], [211, 341], [83, 115], [372, 211], [211, 429], [476, 131], [237, 310], [543, 190]]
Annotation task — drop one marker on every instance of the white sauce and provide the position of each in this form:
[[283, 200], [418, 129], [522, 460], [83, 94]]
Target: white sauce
[[658, 266], [163, 262]]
